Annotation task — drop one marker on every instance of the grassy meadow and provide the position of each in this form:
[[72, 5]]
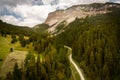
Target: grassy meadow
[[5, 45]]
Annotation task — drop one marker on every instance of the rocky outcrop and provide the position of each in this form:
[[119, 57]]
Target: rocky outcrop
[[80, 11]]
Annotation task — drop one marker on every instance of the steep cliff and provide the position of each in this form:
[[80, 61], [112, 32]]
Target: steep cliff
[[79, 11]]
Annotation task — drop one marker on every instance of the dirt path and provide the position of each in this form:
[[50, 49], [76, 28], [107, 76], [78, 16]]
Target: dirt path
[[11, 59], [74, 64]]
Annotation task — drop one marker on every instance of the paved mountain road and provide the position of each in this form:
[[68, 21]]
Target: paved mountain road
[[73, 63]]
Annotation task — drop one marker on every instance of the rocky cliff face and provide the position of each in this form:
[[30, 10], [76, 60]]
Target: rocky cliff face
[[80, 11]]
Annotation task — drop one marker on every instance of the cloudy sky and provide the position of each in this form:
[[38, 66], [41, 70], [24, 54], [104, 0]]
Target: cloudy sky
[[33, 12]]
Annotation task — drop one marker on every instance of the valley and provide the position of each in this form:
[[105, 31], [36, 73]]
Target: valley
[[90, 32]]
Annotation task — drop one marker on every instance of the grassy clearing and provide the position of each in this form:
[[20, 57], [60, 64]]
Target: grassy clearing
[[5, 45], [18, 55]]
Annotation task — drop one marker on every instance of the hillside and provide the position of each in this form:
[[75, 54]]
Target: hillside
[[95, 43], [92, 37], [42, 56], [79, 11], [41, 28], [6, 28]]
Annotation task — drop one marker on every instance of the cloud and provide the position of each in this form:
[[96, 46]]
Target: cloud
[[47, 1], [29, 15], [21, 22], [26, 11], [89, 1], [21, 2], [10, 19], [116, 1]]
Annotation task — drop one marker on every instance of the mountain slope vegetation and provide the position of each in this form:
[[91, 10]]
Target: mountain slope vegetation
[[43, 62], [95, 44], [41, 28], [6, 28]]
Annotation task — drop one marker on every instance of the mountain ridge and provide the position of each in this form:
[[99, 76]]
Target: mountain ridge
[[79, 11]]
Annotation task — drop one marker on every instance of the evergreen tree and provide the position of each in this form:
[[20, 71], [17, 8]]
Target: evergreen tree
[[17, 74]]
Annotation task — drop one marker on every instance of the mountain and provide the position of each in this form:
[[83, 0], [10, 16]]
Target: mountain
[[40, 28], [79, 11], [95, 43], [92, 39], [6, 28]]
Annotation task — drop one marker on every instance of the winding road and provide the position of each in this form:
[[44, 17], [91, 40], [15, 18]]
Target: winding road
[[73, 63]]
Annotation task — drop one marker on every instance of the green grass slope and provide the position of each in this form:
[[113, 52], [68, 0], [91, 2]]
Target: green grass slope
[[5, 45]]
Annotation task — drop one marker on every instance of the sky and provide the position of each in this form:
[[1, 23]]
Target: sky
[[32, 12]]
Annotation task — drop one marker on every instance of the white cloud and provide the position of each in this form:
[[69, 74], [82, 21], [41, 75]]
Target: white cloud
[[26, 11], [117, 1], [17, 21], [46, 1], [10, 19], [31, 15], [29, 22], [88, 1]]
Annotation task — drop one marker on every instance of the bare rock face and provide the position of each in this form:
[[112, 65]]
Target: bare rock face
[[79, 11], [54, 17]]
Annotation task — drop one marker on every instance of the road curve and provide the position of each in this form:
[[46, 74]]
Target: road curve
[[75, 65]]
